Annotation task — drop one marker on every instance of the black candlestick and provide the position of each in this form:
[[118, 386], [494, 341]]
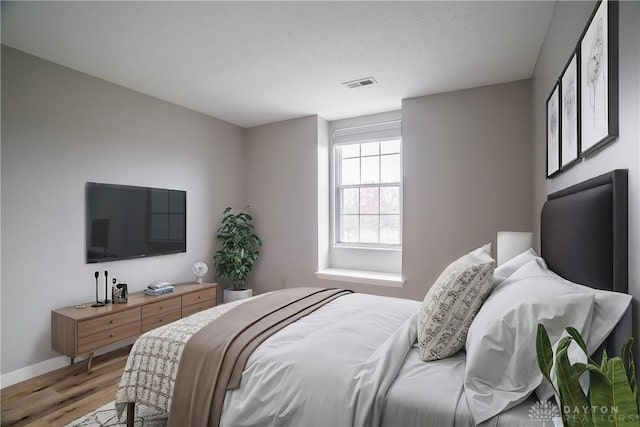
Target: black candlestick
[[106, 287], [97, 303]]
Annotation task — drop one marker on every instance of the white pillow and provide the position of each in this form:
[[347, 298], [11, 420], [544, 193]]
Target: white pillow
[[483, 250], [505, 270], [502, 368], [608, 309], [452, 302]]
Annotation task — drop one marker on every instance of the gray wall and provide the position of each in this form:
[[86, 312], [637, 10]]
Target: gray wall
[[464, 179], [61, 128], [282, 191], [467, 175], [568, 21]]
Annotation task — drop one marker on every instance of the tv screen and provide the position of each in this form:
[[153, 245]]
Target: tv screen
[[124, 222]]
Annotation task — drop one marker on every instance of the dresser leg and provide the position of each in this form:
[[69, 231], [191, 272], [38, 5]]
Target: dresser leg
[[90, 362], [71, 359], [131, 413]]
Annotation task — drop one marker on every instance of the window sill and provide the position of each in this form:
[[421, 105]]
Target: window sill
[[356, 246], [359, 276]]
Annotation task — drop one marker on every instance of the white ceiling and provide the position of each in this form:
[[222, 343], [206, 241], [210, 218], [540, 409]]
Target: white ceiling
[[252, 63]]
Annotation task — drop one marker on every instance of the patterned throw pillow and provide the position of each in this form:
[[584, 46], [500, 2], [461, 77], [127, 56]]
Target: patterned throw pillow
[[452, 303]]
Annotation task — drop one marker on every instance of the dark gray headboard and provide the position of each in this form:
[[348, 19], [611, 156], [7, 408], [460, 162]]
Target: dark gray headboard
[[584, 236]]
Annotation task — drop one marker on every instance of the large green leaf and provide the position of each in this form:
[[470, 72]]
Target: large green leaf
[[627, 359], [601, 396], [545, 352], [604, 363], [624, 402], [573, 333], [575, 405]]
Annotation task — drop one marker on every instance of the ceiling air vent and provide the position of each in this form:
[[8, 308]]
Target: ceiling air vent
[[360, 82]]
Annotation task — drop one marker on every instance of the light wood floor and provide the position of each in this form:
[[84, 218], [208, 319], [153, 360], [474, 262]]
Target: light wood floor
[[61, 396]]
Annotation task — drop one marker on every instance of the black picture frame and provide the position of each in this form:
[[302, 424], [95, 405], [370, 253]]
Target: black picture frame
[[599, 78], [570, 141], [120, 294], [554, 130]]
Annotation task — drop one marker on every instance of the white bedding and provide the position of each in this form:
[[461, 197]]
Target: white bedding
[[432, 394], [352, 362], [326, 369]]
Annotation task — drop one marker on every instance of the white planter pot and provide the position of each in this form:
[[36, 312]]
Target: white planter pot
[[232, 295]]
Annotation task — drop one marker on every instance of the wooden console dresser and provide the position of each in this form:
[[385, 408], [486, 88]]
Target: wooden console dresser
[[79, 331]]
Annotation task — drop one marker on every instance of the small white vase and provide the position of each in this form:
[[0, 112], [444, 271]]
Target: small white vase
[[233, 295]]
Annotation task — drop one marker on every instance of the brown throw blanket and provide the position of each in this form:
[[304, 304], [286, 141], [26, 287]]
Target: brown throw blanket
[[214, 357]]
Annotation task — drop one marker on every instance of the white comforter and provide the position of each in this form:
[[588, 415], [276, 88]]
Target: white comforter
[[332, 368]]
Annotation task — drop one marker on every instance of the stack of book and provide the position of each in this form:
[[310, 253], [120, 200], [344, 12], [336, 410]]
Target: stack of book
[[159, 288]]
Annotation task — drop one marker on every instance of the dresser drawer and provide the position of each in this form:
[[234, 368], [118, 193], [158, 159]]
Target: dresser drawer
[[108, 322], [159, 319], [199, 296], [165, 305], [194, 308], [89, 343]]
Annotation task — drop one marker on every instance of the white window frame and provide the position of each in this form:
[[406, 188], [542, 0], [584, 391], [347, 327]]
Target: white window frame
[[379, 132]]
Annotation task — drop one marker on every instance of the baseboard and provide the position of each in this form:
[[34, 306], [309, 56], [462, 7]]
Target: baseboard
[[33, 371], [46, 366]]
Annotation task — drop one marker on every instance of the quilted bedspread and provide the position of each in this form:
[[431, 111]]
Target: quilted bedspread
[[150, 372]]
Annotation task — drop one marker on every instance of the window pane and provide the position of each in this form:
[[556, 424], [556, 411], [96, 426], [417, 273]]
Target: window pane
[[370, 149], [390, 165], [350, 172], [350, 229], [370, 170], [369, 228], [369, 200], [390, 229], [368, 212], [390, 147], [351, 201], [348, 151], [390, 200]]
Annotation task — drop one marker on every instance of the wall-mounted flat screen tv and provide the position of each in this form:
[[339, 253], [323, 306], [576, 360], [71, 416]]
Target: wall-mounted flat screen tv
[[125, 222]]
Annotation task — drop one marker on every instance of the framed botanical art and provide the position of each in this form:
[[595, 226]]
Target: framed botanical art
[[599, 78], [553, 131], [570, 114]]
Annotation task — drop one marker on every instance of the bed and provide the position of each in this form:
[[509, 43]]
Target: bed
[[355, 360]]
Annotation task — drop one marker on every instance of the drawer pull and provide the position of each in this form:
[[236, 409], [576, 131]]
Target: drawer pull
[[161, 307], [160, 321], [110, 335], [199, 297], [111, 321]]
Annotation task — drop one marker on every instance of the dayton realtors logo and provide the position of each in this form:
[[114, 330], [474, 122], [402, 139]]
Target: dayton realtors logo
[[547, 411], [543, 412], [601, 414]]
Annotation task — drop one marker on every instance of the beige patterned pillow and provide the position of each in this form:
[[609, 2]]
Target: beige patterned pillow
[[452, 303]]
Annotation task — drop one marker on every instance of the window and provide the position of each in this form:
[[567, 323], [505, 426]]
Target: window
[[368, 186]]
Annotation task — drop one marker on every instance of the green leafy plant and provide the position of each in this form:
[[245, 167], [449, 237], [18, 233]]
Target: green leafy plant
[[612, 398], [237, 255]]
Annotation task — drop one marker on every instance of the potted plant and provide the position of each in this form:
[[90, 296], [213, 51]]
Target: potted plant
[[612, 398], [237, 255]]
